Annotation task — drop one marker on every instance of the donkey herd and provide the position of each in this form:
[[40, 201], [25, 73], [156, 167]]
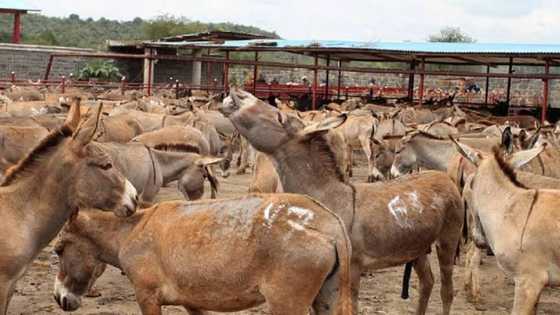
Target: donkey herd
[[438, 177]]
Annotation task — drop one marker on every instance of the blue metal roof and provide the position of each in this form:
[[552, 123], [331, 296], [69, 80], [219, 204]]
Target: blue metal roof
[[404, 47], [19, 5]]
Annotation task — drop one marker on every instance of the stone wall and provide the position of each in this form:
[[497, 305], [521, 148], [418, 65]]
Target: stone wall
[[30, 61]]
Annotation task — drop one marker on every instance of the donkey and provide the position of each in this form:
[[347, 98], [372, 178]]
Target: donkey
[[63, 173], [390, 223], [420, 149], [149, 169], [520, 224], [280, 248], [358, 131]]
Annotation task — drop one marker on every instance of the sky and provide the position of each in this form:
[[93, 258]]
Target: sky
[[488, 21]]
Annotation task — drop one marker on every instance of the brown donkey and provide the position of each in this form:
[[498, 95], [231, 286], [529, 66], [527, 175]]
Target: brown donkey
[[390, 223], [217, 255], [61, 174], [519, 224]]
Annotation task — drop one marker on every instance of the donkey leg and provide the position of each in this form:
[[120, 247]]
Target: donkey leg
[[475, 266], [324, 303], [4, 298], [472, 273], [528, 289], [446, 257], [426, 280], [350, 161], [7, 289]]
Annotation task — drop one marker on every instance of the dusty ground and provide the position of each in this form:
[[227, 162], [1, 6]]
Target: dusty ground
[[380, 293]]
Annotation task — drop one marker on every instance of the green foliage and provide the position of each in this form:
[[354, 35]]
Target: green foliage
[[74, 31], [451, 34], [100, 70]]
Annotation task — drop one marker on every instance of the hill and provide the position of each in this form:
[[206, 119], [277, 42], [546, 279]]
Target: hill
[[74, 31]]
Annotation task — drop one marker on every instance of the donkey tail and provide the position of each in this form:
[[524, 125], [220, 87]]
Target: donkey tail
[[344, 254]]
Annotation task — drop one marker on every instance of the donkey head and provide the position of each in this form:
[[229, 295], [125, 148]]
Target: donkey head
[[267, 128], [96, 183], [79, 267]]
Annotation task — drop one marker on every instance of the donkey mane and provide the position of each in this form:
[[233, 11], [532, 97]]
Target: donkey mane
[[53, 139], [177, 147], [506, 168], [429, 135], [326, 156]]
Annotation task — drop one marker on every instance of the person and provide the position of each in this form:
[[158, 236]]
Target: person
[[274, 81], [261, 79], [305, 81]]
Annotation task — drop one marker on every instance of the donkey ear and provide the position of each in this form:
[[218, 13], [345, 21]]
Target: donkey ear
[[325, 125], [90, 133], [469, 153], [208, 160], [507, 139], [530, 143], [74, 114], [521, 158]]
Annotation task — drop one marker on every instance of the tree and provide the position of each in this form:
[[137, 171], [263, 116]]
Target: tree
[[451, 34]]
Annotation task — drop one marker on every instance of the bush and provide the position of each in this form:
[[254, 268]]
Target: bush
[[100, 70]]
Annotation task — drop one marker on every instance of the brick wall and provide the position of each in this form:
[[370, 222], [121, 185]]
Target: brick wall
[[30, 61]]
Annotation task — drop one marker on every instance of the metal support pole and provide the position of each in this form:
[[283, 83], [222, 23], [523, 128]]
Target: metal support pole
[[49, 67], [546, 88], [314, 92], [208, 79], [13, 77], [421, 86], [63, 85], [327, 72], [255, 73], [123, 85], [16, 35], [411, 82], [339, 79], [487, 86], [508, 91], [226, 73], [176, 89], [150, 74]]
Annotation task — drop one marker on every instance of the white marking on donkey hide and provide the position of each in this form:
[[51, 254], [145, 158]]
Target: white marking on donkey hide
[[399, 208], [304, 216], [270, 213]]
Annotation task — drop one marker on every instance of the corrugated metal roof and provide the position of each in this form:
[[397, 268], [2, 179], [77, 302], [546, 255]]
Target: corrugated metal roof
[[403, 47], [19, 5]]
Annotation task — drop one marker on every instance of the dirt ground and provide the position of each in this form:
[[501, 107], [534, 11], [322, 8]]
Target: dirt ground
[[380, 292]]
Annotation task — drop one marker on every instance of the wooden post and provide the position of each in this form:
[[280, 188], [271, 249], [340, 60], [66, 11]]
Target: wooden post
[[546, 88], [421, 86], [255, 73], [16, 35]]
